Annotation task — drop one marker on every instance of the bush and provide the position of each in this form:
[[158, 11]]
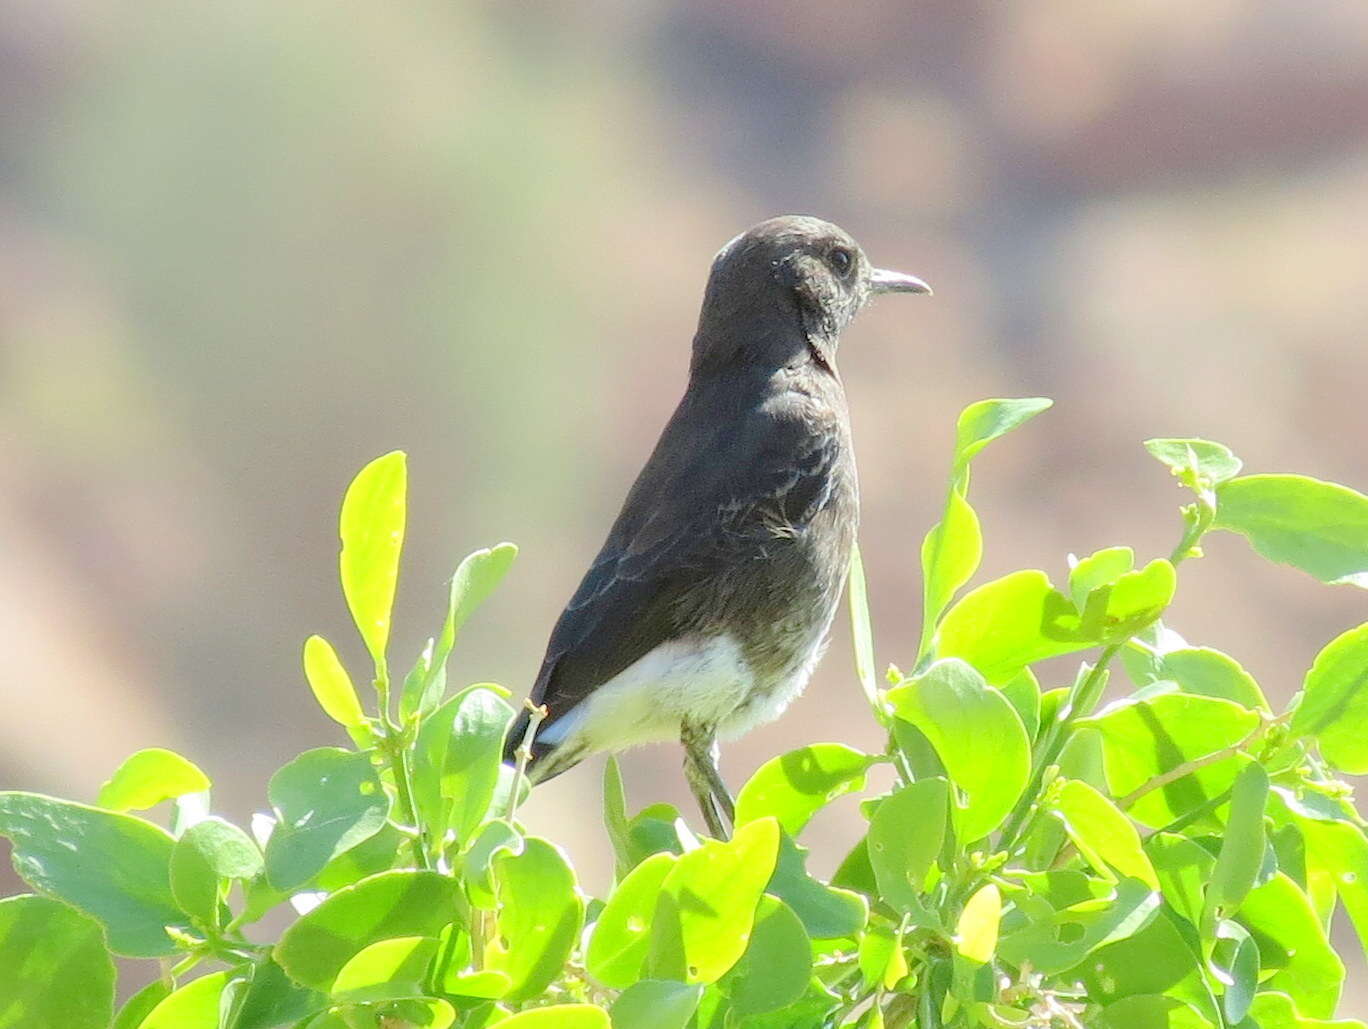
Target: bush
[[1171, 858]]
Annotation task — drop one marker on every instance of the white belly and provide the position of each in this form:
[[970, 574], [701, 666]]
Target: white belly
[[702, 679]]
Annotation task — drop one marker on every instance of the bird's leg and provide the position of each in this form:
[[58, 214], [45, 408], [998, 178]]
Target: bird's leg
[[700, 769]]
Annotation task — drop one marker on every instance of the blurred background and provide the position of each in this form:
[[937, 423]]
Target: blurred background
[[246, 247]]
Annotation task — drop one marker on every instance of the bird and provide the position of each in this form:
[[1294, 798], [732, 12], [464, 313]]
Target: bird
[[710, 602]]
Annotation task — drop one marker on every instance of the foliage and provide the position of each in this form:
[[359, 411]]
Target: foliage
[[1171, 858]]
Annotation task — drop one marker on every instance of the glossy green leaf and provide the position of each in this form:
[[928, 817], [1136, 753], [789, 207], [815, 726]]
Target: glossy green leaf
[[621, 938], [862, 634], [905, 836], [1334, 707], [208, 854], [1235, 964], [1158, 959], [1198, 462], [457, 758], [827, 912], [54, 970], [1097, 570], [147, 778], [1023, 693], [476, 578], [372, 530], [332, 686], [950, 555], [976, 932], [977, 736], [327, 801], [1318, 527], [140, 1005], [1008, 623], [982, 422], [707, 905], [796, 785], [539, 917], [193, 1006], [1340, 850], [1293, 944], [387, 969], [1150, 736], [1065, 930], [404, 902], [1210, 673], [559, 1016], [777, 963], [1151, 1011], [1102, 834], [656, 1004], [271, 999], [1243, 842], [1133, 601], [114, 867], [1273, 1010]]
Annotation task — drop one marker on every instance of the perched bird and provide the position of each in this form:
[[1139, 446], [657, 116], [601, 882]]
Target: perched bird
[[710, 602]]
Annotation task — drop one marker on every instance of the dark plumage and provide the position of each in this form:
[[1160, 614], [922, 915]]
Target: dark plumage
[[710, 602]]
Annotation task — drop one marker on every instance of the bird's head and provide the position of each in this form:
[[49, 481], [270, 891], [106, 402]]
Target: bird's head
[[783, 290]]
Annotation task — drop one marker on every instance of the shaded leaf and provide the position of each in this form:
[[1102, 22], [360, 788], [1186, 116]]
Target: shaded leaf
[[457, 758], [208, 853], [1243, 842], [777, 963], [1198, 462], [905, 836], [54, 970], [656, 1004]]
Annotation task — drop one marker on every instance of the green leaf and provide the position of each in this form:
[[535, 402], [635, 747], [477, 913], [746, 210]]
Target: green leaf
[[776, 966], [1156, 960], [147, 778], [475, 579], [194, 1006], [950, 555], [386, 970], [621, 937], [1292, 943], [1146, 737], [976, 932], [1184, 868], [1102, 834], [615, 815], [905, 836], [404, 902], [373, 854], [559, 1016], [113, 867], [1319, 527], [457, 758], [796, 785], [327, 800], [1151, 1011], [209, 853], [1272, 1010], [977, 736], [825, 911], [539, 918], [1235, 963], [372, 530], [140, 1005], [1242, 844], [332, 686], [1008, 623], [271, 999], [707, 904], [1210, 673], [1134, 601], [1334, 708], [1023, 693], [1097, 570], [1059, 935], [54, 970], [1198, 462], [982, 422], [861, 632], [477, 863], [1341, 850], [656, 1004]]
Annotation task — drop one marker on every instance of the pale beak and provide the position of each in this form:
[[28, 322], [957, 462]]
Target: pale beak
[[884, 281]]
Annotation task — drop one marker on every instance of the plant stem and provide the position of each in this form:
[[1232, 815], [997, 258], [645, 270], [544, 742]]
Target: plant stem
[[1188, 767], [1079, 703]]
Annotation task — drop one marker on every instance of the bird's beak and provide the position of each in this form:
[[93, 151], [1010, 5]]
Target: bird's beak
[[884, 281]]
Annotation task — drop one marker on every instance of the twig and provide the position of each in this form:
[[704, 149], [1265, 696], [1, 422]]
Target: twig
[[537, 715]]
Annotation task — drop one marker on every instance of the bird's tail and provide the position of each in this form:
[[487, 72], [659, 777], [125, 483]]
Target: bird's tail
[[547, 760]]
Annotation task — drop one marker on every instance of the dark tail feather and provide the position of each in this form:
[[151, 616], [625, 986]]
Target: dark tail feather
[[548, 760]]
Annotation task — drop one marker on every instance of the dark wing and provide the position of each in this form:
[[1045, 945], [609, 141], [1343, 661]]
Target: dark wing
[[714, 489]]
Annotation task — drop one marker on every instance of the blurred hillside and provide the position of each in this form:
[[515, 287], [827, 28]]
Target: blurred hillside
[[246, 247]]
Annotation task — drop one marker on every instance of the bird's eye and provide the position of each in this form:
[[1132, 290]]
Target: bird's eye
[[842, 260]]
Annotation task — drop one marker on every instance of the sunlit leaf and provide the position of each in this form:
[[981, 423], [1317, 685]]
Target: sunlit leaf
[[332, 686], [147, 778], [621, 938], [539, 917], [1198, 462], [457, 758], [1292, 943], [193, 1006], [559, 1016], [905, 835], [796, 785], [1102, 834], [982, 422], [976, 932], [54, 970], [1097, 570], [372, 531], [1334, 707], [656, 1004], [777, 963], [950, 555]]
